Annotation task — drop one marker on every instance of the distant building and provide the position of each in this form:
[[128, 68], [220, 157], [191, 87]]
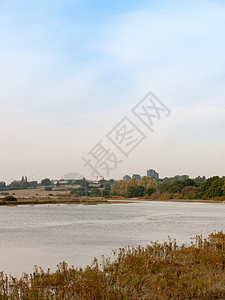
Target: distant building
[[126, 177], [137, 176], [153, 174]]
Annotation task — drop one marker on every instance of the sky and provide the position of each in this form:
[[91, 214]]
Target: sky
[[71, 70]]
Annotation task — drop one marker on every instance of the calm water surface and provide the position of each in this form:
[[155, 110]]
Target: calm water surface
[[44, 235]]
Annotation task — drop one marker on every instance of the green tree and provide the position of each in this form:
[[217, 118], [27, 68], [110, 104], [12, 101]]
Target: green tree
[[212, 187], [149, 191], [135, 191], [46, 182]]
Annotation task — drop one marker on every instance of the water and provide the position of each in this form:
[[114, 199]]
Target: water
[[45, 235]]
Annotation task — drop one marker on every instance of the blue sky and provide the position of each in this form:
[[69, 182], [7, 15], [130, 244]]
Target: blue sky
[[70, 70]]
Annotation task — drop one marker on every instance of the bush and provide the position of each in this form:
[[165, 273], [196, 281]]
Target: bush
[[135, 191], [10, 198]]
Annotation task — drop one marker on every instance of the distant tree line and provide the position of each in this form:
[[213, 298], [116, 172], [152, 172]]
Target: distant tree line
[[181, 187], [18, 184], [134, 187], [24, 183], [102, 189]]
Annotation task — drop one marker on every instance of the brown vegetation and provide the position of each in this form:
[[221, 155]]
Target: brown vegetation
[[159, 271]]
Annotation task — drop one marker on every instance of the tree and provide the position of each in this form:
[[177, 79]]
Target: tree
[[135, 191], [212, 187], [191, 192], [149, 191], [46, 182], [33, 184], [15, 184], [176, 186]]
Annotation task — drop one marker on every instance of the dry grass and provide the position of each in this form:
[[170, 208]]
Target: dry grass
[[159, 271], [40, 191], [59, 199]]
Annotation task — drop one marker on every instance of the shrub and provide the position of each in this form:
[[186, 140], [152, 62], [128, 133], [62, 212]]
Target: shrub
[[10, 198], [158, 271]]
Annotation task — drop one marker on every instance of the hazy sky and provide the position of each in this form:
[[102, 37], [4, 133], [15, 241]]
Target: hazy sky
[[71, 70]]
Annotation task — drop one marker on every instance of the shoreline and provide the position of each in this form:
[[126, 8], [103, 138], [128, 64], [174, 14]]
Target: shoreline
[[185, 200], [65, 199]]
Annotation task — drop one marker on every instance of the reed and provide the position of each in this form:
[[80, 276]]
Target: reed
[[158, 271]]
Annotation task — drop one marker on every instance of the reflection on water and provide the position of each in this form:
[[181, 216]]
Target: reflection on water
[[45, 235]]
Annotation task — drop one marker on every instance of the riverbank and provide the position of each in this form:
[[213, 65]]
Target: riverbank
[[158, 271], [63, 199], [186, 200], [70, 199]]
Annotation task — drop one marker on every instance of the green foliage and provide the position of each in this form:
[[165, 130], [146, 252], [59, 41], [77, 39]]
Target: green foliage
[[191, 192], [176, 186], [22, 184], [46, 182], [135, 191], [213, 187], [33, 184], [149, 191], [15, 184], [133, 187], [107, 190]]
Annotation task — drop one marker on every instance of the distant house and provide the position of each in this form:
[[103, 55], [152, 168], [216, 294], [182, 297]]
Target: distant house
[[60, 181], [137, 176], [153, 174], [126, 177]]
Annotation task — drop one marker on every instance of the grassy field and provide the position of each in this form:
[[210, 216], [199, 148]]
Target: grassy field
[[158, 271], [40, 191]]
